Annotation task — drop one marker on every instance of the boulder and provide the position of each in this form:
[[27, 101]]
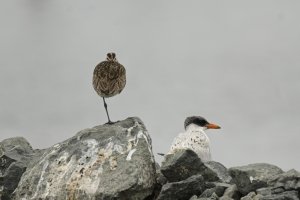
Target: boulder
[[231, 193], [276, 193], [15, 154], [213, 196], [287, 195], [111, 162], [104, 162], [160, 181], [216, 171], [185, 163], [269, 191], [251, 177], [216, 188], [182, 190], [194, 197], [252, 196], [289, 180], [181, 165]]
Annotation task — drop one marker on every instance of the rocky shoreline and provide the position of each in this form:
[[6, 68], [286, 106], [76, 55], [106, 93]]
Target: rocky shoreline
[[116, 162]]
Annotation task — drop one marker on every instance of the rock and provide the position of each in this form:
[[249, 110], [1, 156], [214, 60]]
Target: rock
[[214, 187], [160, 181], [287, 195], [194, 197], [289, 180], [231, 193], [186, 163], [104, 162], [252, 196], [251, 177], [213, 196], [15, 154], [181, 165], [182, 190], [226, 198], [282, 186], [216, 171], [213, 190], [160, 178], [111, 162], [276, 193], [269, 191], [209, 194]]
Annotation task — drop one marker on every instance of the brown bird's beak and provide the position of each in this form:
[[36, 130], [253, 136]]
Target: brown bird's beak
[[212, 126]]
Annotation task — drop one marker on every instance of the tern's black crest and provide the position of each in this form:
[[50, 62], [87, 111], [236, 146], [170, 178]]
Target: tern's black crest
[[198, 120]]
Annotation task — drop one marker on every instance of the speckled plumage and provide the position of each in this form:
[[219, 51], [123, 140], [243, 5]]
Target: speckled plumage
[[109, 79], [194, 137]]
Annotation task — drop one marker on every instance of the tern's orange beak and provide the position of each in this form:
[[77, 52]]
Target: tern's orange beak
[[212, 126]]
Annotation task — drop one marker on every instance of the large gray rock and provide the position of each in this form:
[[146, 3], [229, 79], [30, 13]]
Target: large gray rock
[[269, 191], [251, 177], [287, 195], [282, 186], [15, 154], [231, 193], [181, 165], [182, 190], [160, 181], [216, 171], [213, 196], [252, 196], [186, 163], [289, 180], [104, 162], [214, 188], [276, 193]]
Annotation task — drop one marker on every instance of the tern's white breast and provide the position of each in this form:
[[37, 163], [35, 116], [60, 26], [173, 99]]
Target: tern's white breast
[[193, 138]]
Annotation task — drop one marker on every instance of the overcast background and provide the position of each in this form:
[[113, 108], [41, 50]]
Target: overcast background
[[236, 63]]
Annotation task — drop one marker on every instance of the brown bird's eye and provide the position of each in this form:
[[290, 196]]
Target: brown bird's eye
[[113, 55]]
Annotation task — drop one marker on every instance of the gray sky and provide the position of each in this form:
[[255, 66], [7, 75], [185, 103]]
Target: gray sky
[[236, 63]]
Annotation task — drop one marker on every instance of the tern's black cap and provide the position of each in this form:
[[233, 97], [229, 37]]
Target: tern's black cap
[[198, 120]]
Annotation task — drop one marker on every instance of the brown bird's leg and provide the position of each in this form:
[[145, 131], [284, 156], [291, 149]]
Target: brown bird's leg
[[105, 106]]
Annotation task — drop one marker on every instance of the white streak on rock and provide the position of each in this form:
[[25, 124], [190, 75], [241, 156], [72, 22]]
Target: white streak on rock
[[129, 130], [251, 179], [47, 155], [133, 142], [113, 163], [118, 148], [130, 154], [41, 179], [85, 174], [141, 134]]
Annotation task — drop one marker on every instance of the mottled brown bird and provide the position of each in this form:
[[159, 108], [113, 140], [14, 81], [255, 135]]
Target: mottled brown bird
[[109, 79]]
